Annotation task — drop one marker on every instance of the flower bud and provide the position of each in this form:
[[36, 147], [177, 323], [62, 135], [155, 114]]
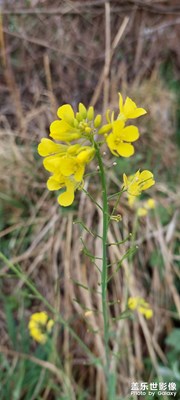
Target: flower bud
[[82, 110], [90, 113], [105, 128], [97, 121]]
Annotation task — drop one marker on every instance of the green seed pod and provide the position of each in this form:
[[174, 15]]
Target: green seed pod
[[90, 113], [82, 110], [97, 121]]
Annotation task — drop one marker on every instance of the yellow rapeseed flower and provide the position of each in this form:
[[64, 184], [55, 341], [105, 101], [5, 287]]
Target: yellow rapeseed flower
[[129, 109], [67, 164], [145, 207], [40, 326], [139, 304], [120, 138], [138, 182]]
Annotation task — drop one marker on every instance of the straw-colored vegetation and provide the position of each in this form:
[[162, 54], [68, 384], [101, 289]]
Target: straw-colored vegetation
[[69, 52]]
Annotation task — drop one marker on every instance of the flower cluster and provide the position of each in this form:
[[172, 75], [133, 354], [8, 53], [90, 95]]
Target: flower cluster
[[67, 161], [145, 207], [40, 326], [139, 304]]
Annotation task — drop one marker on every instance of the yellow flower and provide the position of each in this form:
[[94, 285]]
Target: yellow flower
[[59, 181], [150, 204], [141, 212], [66, 129], [135, 184], [129, 109], [73, 126], [40, 326], [139, 304], [147, 205], [47, 147], [119, 140], [67, 164]]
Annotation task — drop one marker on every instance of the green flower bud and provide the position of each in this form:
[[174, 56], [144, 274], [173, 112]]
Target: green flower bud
[[105, 128], [90, 113], [79, 117], [97, 121], [82, 110]]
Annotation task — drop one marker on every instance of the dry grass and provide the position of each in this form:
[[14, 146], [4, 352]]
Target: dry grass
[[89, 53]]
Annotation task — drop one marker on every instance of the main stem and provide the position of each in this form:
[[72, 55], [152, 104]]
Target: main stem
[[104, 267]]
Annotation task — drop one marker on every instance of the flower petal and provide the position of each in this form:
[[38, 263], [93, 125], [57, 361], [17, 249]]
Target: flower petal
[[130, 133], [118, 126], [53, 163], [137, 113], [47, 147], [120, 102], [66, 199], [146, 180], [54, 184], [125, 149], [66, 113], [61, 130], [131, 110], [79, 173], [68, 166]]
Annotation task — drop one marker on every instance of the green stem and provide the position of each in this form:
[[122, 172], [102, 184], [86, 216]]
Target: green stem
[[104, 276]]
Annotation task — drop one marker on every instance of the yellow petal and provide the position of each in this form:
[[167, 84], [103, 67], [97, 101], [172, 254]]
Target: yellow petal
[[66, 199], [66, 113], [68, 166], [47, 147], [130, 133], [137, 113], [117, 126], [73, 150], [120, 102], [86, 155], [125, 180], [61, 130], [53, 163], [125, 149], [54, 184], [130, 109], [79, 173], [146, 179]]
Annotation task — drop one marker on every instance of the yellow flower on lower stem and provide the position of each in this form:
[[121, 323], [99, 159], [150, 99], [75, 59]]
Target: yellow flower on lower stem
[[40, 326], [59, 181], [119, 140], [146, 206], [139, 304], [138, 182], [150, 204], [141, 212]]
